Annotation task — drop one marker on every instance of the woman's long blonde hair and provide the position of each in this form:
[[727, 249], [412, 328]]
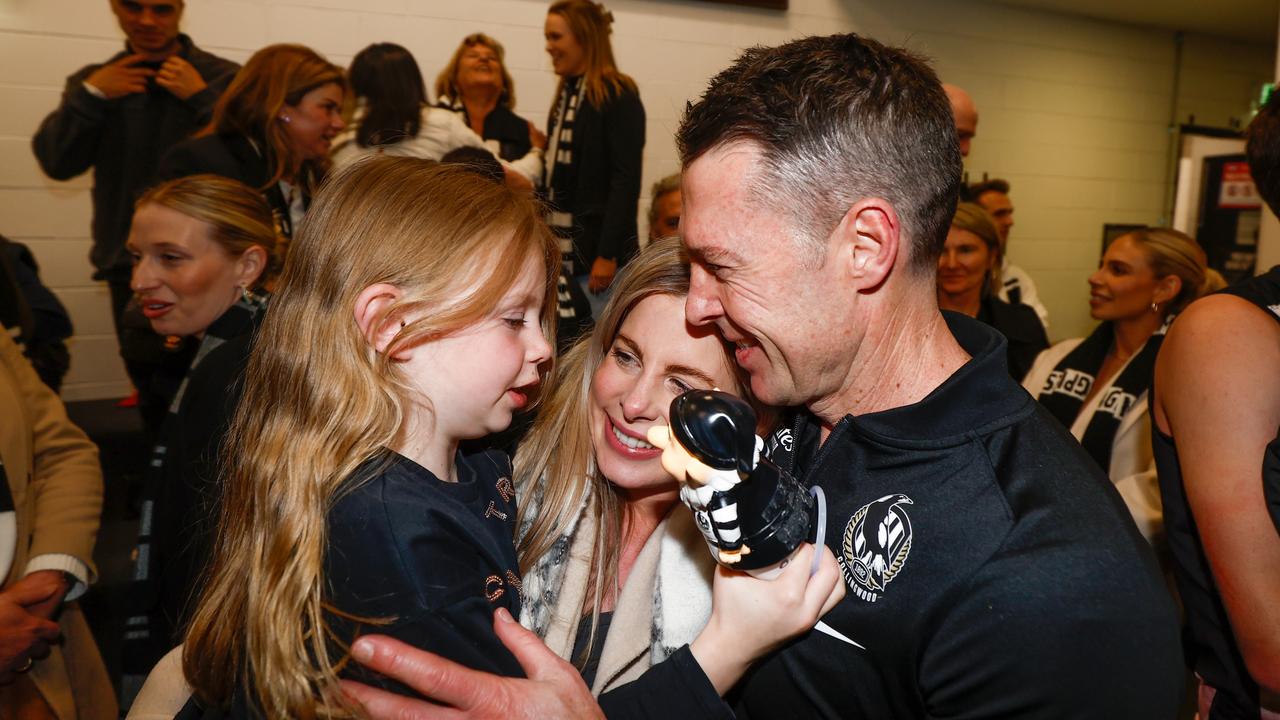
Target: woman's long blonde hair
[[274, 76], [1173, 252], [558, 456], [591, 26], [319, 401]]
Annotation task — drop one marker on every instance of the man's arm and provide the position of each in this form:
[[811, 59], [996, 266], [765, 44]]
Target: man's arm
[[1219, 396], [66, 480], [624, 125], [554, 689], [67, 142]]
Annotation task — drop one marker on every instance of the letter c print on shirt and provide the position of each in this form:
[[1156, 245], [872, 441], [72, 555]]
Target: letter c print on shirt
[[877, 540]]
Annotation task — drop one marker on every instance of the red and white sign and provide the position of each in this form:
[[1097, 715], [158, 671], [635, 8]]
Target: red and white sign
[[1238, 190]]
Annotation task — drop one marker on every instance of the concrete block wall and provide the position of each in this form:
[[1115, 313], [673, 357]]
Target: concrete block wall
[[1074, 112]]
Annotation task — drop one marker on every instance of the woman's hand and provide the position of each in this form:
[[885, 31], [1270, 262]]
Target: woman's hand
[[751, 618], [602, 272]]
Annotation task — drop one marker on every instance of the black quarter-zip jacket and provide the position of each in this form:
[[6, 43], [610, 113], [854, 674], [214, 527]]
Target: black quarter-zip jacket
[[991, 568]]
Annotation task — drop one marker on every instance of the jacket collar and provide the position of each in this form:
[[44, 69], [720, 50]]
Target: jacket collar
[[977, 398], [185, 46]]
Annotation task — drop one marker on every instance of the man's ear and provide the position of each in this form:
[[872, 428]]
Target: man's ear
[[867, 242], [372, 304]]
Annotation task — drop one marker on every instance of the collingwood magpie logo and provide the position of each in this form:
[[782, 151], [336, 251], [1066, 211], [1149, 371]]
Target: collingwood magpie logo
[[877, 541]]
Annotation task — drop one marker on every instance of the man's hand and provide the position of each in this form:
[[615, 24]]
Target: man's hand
[[50, 583], [120, 78], [602, 272], [554, 688], [24, 636], [180, 78]]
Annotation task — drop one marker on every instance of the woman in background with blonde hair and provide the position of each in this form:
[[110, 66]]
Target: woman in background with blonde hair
[[475, 84], [969, 283], [595, 147], [1098, 385], [203, 247], [415, 313], [271, 130]]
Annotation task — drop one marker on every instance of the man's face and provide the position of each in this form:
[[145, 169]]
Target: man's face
[[761, 290], [150, 25], [1000, 209]]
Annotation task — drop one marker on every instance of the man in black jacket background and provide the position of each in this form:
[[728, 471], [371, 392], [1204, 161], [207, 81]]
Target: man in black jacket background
[[118, 117]]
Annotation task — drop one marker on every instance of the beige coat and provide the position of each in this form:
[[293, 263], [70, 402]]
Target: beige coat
[[675, 558], [53, 474]]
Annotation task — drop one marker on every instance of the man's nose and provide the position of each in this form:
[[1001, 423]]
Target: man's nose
[[702, 306]]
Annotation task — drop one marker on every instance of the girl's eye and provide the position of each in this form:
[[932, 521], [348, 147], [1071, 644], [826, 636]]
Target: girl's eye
[[136, 257], [171, 258], [680, 385], [515, 323]]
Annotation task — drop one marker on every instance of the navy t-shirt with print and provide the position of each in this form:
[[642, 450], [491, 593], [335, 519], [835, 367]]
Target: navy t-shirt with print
[[425, 561]]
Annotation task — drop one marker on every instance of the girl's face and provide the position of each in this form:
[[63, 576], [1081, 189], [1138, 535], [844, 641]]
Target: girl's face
[[183, 278], [1124, 285], [471, 382], [478, 67], [964, 264], [568, 57], [315, 121], [655, 357]]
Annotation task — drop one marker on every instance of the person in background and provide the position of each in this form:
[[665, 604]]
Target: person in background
[[965, 114], [476, 85], [272, 130], [664, 208], [393, 116], [596, 130], [1098, 386], [1216, 408], [203, 247], [33, 315], [50, 505], [1016, 285], [968, 275], [119, 117]]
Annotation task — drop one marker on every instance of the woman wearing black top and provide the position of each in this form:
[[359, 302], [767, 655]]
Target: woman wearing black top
[[595, 147], [271, 130], [969, 277], [202, 247]]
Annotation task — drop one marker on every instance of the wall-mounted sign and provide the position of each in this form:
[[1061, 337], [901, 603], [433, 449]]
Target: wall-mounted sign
[[1237, 189]]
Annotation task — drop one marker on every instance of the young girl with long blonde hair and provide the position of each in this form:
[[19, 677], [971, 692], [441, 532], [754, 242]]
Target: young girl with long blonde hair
[[414, 313]]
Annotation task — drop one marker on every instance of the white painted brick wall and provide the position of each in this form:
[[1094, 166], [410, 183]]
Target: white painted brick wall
[[1074, 112]]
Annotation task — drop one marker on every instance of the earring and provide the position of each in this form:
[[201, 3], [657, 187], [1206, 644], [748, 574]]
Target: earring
[[1155, 307], [286, 118], [247, 296]]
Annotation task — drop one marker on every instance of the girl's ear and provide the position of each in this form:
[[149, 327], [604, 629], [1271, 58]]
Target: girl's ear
[[376, 325]]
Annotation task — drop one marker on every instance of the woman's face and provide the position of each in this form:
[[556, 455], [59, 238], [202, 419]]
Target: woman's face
[[315, 121], [655, 357], [183, 278], [964, 263], [568, 58], [479, 66], [1124, 285]]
